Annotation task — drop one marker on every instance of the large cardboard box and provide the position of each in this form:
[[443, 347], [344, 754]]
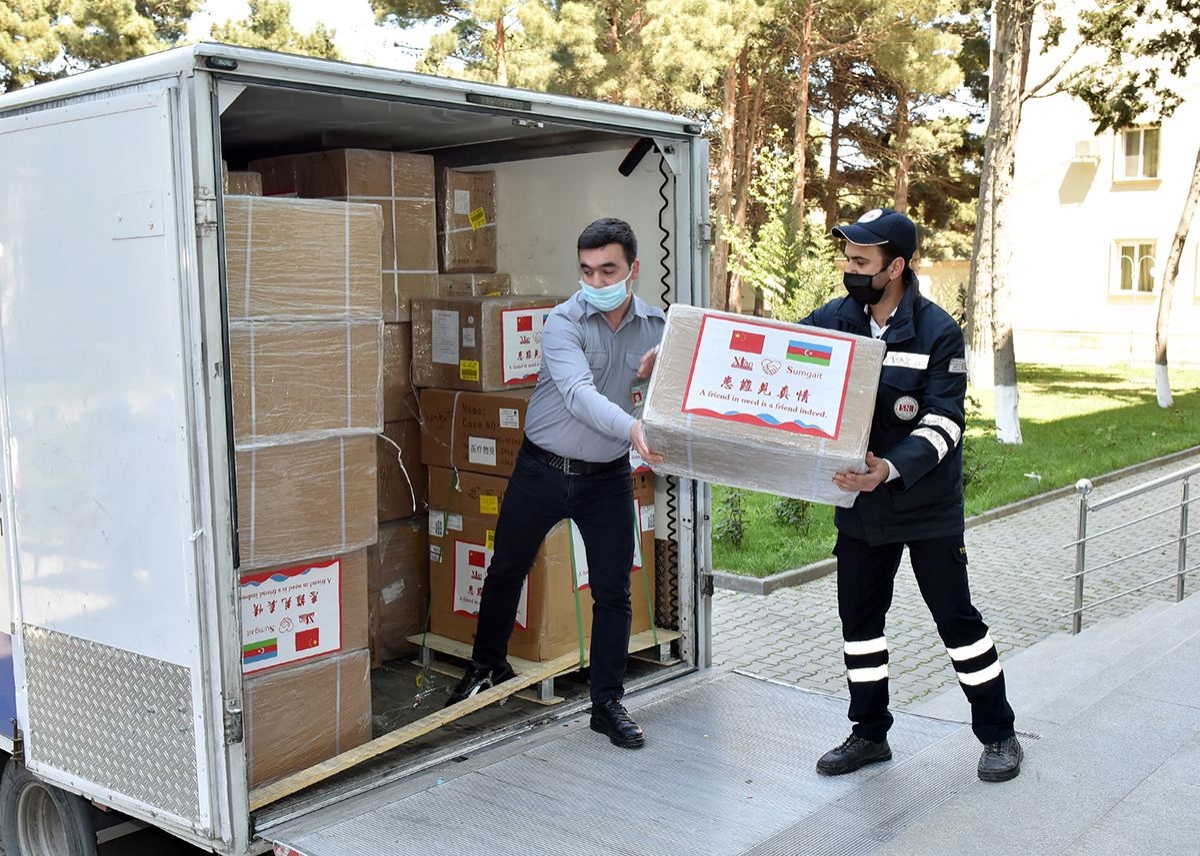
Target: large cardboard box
[[293, 259], [401, 184], [305, 380], [475, 431], [300, 500], [303, 612], [761, 404], [467, 221], [462, 525], [399, 396], [301, 715], [400, 495], [474, 285], [478, 343], [397, 588]]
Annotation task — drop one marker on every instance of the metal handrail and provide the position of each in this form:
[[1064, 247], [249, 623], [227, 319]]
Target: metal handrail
[[1084, 487]]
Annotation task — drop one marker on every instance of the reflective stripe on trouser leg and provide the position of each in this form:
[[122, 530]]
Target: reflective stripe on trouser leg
[[865, 576], [940, 566]]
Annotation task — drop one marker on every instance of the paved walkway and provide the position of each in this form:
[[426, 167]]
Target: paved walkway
[[1018, 570]]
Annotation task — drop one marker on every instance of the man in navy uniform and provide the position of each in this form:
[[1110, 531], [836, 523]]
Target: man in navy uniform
[[911, 495], [598, 347]]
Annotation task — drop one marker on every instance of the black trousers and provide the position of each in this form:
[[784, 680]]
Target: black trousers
[[601, 504], [865, 577]]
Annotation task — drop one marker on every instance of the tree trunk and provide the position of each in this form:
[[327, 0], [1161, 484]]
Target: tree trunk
[[1161, 382], [800, 140], [750, 131], [836, 95], [1013, 33], [723, 207], [501, 55], [902, 155]]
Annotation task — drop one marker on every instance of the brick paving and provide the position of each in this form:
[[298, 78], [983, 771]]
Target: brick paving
[[1018, 569]]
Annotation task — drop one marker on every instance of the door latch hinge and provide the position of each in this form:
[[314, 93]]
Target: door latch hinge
[[233, 726], [707, 587], [704, 233], [206, 215]]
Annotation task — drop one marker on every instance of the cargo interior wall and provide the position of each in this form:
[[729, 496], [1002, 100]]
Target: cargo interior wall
[[398, 613]]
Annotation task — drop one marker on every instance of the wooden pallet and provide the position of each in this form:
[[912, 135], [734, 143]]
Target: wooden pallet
[[649, 645]]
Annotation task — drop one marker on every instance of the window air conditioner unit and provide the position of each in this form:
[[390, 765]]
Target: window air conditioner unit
[[1087, 151]]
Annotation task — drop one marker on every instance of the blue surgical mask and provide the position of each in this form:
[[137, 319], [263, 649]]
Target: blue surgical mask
[[606, 298]]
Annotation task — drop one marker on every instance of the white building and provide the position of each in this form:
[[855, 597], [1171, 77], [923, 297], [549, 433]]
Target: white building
[[1093, 219]]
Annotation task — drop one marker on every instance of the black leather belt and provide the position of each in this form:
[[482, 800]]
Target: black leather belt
[[572, 466]]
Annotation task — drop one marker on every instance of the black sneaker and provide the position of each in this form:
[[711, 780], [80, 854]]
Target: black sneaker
[[476, 679], [611, 718], [1001, 761], [854, 753]]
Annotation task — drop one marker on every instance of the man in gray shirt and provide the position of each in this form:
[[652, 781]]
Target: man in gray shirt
[[598, 348]]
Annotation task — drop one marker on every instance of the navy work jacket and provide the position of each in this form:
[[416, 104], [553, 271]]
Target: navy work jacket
[[918, 421]]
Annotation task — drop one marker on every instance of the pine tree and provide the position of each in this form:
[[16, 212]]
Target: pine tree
[[269, 26]]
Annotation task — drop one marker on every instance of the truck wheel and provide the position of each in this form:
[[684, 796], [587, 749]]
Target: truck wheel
[[38, 819]]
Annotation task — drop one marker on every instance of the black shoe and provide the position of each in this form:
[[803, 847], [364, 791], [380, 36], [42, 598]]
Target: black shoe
[[476, 679], [854, 752], [611, 718], [1001, 761]]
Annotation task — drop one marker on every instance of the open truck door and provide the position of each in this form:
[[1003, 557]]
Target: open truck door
[[107, 529]]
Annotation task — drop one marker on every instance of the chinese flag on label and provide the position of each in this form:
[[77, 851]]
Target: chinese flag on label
[[306, 639], [524, 323], [475, 558], [751, 343]]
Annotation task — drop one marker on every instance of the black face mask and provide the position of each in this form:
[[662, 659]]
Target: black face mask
[[861, 288]]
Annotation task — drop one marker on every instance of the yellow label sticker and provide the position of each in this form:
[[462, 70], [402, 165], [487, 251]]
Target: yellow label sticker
[[478, 218], [490, 542], [489, 505], [468, 370]]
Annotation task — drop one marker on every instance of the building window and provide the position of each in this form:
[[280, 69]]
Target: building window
[[1140, 150], [1136, 273]]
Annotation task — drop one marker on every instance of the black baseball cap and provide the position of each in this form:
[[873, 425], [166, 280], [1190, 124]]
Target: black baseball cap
[[881, 226]]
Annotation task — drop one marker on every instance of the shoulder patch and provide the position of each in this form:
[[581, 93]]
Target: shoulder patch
[[958, 365]]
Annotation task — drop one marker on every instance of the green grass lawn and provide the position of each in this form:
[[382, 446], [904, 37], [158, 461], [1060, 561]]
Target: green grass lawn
[[1075, 422]]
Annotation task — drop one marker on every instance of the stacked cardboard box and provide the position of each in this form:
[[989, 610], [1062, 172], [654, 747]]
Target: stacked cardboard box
[[306, 366], [476, 431], [554, 615], [397, 588], [474, 285], [762, 404], [401, 184], [240, 183], [466, 221], [478, 343]]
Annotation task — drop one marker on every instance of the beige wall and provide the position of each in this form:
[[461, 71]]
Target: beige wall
[[1071, 206]]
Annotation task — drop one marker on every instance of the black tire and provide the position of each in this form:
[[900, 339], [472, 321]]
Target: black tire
[[38, 819]]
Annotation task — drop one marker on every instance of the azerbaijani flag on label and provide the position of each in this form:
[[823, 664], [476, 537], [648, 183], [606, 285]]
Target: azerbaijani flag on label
[[264, 649], [809, 352]]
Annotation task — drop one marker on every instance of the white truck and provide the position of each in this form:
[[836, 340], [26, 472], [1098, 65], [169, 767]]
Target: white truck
[[121, 679]]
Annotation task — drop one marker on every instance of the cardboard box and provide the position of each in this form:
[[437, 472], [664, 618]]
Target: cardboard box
[[399, 395], [303, 612], [762, 404], [462, 526], [400, 496], [243, 184], [306, 499], [478, 343], [302, 715], [291, 259], [466, 221], [401, 184], [474, 285], [475, 431], [397, 588], [305, 380]]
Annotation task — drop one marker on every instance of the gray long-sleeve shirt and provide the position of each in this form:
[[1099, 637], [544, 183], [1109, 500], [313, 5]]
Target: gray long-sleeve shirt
[[583, 400]]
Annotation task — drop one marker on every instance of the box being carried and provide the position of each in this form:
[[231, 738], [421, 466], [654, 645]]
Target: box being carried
[[762, 404]]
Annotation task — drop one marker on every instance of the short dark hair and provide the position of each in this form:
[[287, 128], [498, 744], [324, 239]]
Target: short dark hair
[[609, 230]]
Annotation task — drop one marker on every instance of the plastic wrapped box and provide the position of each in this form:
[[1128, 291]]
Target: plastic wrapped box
[[762, 404]]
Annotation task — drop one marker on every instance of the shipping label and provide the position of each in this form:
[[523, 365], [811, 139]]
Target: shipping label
[[510, 417], [468, 370], [481, 450], [462, 202], [468, 337], [470, 570], [445, 337], [771, 377], [290, 615], [521, 343]]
